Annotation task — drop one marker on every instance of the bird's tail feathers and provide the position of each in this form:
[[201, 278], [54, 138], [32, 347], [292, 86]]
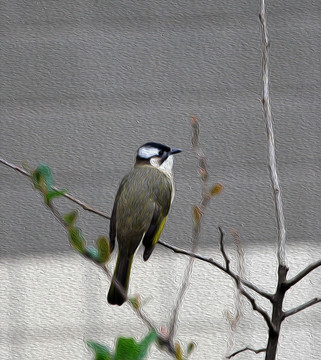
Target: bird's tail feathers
[[117, 296]]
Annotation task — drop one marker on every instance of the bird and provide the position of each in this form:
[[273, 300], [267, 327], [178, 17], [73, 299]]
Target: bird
[[140, 210]]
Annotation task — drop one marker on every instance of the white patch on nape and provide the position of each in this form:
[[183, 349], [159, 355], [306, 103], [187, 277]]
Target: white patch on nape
[[147, 152], [166, 166]]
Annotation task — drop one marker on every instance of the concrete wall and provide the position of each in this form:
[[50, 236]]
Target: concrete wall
[[83, 84]]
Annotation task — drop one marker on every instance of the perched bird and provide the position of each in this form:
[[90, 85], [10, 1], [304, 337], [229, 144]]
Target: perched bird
[[140, 210]]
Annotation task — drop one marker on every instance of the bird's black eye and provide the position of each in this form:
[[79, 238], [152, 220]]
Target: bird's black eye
[[161, 152]]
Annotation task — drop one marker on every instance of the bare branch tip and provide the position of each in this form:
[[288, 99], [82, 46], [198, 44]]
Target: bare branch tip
[[246, 349]]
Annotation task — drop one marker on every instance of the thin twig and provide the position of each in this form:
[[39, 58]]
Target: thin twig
[[302, 274], [222, 249], [301, 307], [234, 319], [246, 349], [271, 145], [240, 270], [57, 215], [17, 168], [258, 309], [196, 226], [68, 196]]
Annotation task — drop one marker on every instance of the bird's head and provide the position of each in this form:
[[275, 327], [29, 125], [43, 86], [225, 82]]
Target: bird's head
[[157, 155]]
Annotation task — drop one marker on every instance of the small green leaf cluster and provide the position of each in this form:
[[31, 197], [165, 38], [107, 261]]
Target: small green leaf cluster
[[99, 254], [43, 181], [126, 348]]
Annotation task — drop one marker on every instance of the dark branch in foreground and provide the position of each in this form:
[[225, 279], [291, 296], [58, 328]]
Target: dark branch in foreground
[[246, 349], [301, 307], [258, 309], [226, 259]]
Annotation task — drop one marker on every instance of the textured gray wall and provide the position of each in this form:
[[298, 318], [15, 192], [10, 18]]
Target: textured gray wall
[[83, 84]]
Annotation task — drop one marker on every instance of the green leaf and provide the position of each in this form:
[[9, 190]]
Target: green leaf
[[129, 349], [126, 349], [52, 194], [190, 347], [70, 218], [135, 301], [76, 239], [42, 178], [92, 253], [101, 351], [103, 249], [146, 342]]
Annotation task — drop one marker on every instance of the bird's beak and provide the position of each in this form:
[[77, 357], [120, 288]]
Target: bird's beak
[[175, 151]]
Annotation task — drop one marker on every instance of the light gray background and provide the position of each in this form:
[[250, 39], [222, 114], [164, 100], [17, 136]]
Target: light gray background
[[83, 84]]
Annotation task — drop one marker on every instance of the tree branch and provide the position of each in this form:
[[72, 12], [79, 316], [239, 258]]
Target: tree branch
[[222, 249], [246, 349], [302, 274], [301, 307], [258, 309], [271, 145]]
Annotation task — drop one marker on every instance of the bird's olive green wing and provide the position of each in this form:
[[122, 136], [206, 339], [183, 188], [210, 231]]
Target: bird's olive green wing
[[153, 233], [112, 226], [161, 209]]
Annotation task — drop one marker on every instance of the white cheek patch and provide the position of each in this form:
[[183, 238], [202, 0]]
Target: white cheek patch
[[147, 152], [167, 165], [154, 162]]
